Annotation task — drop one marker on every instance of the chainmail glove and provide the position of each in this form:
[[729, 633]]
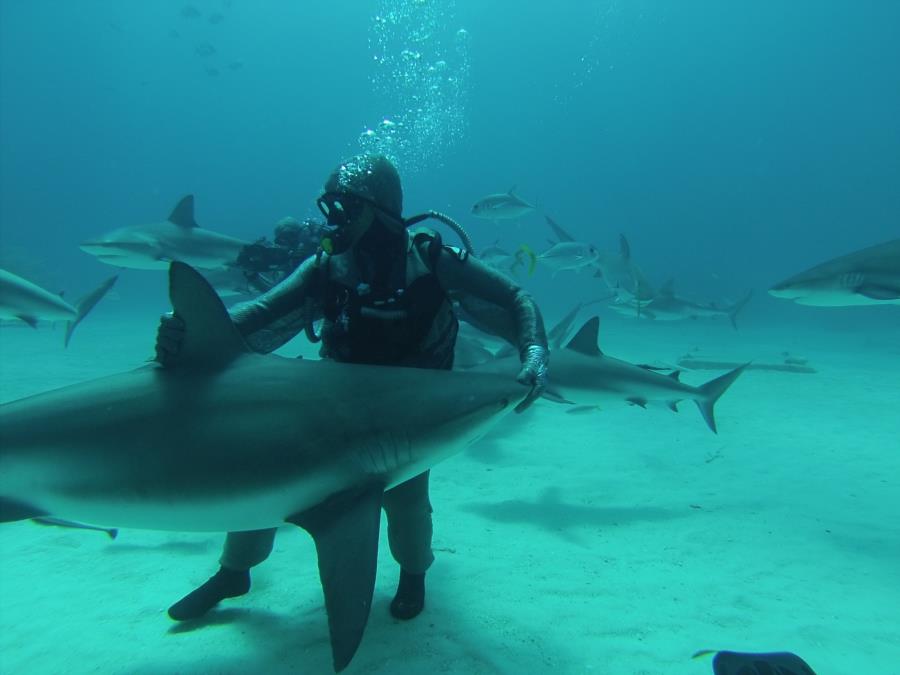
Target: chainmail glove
[[169, 337], [535, 365]]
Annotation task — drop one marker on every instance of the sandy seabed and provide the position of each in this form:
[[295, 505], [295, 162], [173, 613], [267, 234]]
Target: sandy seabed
[[615, 542]]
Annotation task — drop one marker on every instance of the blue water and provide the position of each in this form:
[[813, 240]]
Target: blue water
[[733, 143]]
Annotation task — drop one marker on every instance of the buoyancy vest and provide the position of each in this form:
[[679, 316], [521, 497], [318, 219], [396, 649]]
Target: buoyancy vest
[[410, 322]]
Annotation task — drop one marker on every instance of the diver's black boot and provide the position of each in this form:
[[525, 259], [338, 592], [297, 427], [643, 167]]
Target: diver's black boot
[[410, 599], [223, 584]]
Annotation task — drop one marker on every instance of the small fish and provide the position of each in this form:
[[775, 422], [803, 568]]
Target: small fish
[[502, 206], [569, 255], [190, 12], [204, 49]]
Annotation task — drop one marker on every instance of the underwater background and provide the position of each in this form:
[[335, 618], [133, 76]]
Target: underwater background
[[733, 143]]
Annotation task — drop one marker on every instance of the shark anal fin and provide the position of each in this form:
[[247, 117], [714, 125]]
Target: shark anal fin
[[635, 400], [12, 510], [345, 530], [27, 318]]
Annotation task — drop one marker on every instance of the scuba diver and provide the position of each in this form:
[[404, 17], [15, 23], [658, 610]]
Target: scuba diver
[[386, 295], [265, 264]]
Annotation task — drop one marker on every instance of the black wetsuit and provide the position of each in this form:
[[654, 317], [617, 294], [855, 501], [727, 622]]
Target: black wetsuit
[[387, 301]]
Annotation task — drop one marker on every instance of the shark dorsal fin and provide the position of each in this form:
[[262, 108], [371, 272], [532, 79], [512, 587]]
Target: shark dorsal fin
[[585, 340], [211, 339], [668, 288], [624, 247], [183, 213]]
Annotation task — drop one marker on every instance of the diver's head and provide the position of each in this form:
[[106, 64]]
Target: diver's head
[[288, 233], [361, 193]]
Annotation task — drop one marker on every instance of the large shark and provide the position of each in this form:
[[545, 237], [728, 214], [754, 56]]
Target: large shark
[[24, 300], [580, 373], [154, 246], [226, 439], [867, 277]]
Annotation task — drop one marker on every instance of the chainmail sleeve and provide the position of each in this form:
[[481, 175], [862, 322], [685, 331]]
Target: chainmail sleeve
[[276, 316], [494, 300]]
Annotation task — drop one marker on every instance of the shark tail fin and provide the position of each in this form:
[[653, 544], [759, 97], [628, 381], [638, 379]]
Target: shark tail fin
[[738, 306], [86, 304], [712, 391]]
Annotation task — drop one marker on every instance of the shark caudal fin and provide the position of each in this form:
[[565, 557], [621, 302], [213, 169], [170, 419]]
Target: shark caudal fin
[[211, 339], [710, 393], [86, 304]]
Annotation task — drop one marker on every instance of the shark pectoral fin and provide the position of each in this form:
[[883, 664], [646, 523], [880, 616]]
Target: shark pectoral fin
[[345, 530], [86, 304], [30, 320], [555, 396], [876, 292], [12, 510], [111, 532]]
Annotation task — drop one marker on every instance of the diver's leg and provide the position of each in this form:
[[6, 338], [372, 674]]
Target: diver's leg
[[409, 534], [242, 551]]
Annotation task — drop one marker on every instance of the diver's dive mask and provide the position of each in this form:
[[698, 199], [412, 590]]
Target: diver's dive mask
[[342, 213]]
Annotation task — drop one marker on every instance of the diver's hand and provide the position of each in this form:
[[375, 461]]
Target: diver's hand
[[169, 337], [534, 374]]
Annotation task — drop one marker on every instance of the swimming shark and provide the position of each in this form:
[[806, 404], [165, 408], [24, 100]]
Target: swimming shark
[[666, 305], [21, 299], [154, 246], [226, 439], [870, 276], [621, 275], [582, 374]]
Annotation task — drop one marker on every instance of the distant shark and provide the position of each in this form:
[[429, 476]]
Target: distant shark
[[666, 305], [621, 275], [154, 246], [28, 302], [226, 439], [867, 277], [581, 374]]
